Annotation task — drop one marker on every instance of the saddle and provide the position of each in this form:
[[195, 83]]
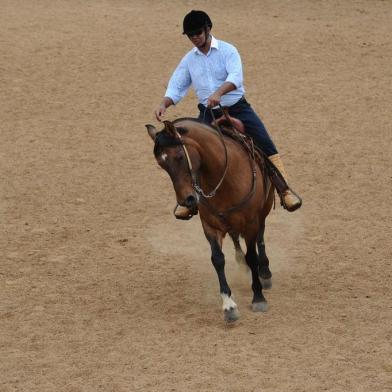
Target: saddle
[[227, 121]]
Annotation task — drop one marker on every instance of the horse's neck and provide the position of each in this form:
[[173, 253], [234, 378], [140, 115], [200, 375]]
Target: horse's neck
[[211, 149]]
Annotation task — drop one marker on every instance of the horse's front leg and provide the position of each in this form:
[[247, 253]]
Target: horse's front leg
[[218, 260]]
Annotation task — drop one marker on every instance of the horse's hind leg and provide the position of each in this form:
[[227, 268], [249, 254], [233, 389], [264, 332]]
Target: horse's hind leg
[[264, 271], [239, 254], [218, 260], [259, 303]]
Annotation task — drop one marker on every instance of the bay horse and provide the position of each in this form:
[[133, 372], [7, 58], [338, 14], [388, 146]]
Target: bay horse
[[215, 174]]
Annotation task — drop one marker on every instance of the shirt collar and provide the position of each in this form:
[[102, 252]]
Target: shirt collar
[[214, 45]]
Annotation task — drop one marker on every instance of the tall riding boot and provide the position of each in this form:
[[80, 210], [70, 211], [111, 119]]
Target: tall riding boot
[[290, 200]]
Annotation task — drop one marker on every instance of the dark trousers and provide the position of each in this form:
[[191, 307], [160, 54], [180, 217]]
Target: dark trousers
[[254, 127]]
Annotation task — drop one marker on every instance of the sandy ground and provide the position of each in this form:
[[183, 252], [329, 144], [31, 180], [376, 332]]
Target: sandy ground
[[101, 289]]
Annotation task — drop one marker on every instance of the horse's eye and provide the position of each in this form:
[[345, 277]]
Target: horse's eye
[[179, 158]]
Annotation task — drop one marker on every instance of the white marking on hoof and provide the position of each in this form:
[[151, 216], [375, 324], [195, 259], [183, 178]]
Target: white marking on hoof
[[260, 306], [230, 310], [231, 315], [164, 156], [228, 302], [229, 306]]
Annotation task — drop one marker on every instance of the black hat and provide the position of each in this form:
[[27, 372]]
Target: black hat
[[196, 20]]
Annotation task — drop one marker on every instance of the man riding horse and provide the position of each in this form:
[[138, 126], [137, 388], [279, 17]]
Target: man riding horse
[[214, 69]]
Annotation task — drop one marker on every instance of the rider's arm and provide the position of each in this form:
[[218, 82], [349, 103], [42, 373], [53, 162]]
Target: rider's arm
[[225, 88], [214, 99], [234, 77], [234, 67], [161, 109]]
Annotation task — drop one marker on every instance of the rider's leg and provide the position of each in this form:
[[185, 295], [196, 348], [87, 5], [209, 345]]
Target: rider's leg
[[255, 128]]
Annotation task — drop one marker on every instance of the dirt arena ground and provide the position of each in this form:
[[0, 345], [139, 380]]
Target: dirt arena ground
[[101, 289]]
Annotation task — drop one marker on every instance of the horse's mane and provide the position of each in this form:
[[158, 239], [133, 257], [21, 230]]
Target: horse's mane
[[186, 118], [206, 126], [164, 139]]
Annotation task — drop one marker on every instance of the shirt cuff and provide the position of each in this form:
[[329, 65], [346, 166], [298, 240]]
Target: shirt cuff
[[235, 79], [175, 97]]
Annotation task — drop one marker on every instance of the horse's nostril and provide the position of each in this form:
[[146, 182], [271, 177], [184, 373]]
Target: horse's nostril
[[190, 201]]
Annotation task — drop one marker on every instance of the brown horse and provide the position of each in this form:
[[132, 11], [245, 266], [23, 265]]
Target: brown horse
[[217, 175]]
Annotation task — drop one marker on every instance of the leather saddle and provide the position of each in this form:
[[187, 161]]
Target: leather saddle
[[228, 121]]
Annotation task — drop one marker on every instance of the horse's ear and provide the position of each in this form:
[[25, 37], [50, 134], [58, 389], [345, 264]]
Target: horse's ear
[[170, 128], [152, 131]]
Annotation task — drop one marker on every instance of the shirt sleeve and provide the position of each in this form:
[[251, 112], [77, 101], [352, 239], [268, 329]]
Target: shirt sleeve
[[234, 67], [179, 82]]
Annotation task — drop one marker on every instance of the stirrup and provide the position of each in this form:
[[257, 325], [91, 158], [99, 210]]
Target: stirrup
[[185, 217]]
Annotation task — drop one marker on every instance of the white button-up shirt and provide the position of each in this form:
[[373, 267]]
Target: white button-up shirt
[[207, 72]]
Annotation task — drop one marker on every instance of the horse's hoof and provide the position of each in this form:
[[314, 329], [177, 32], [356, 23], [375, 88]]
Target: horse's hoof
[[266, 283], [260, 306], [231, 315]]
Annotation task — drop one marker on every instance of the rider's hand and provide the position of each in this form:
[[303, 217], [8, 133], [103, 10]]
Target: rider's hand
[[213, 100], [160, 112]]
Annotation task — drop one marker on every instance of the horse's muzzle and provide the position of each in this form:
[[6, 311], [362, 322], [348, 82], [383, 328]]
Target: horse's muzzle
[[191, 202]]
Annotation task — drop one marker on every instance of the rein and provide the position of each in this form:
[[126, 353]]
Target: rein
[[213, 192]]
